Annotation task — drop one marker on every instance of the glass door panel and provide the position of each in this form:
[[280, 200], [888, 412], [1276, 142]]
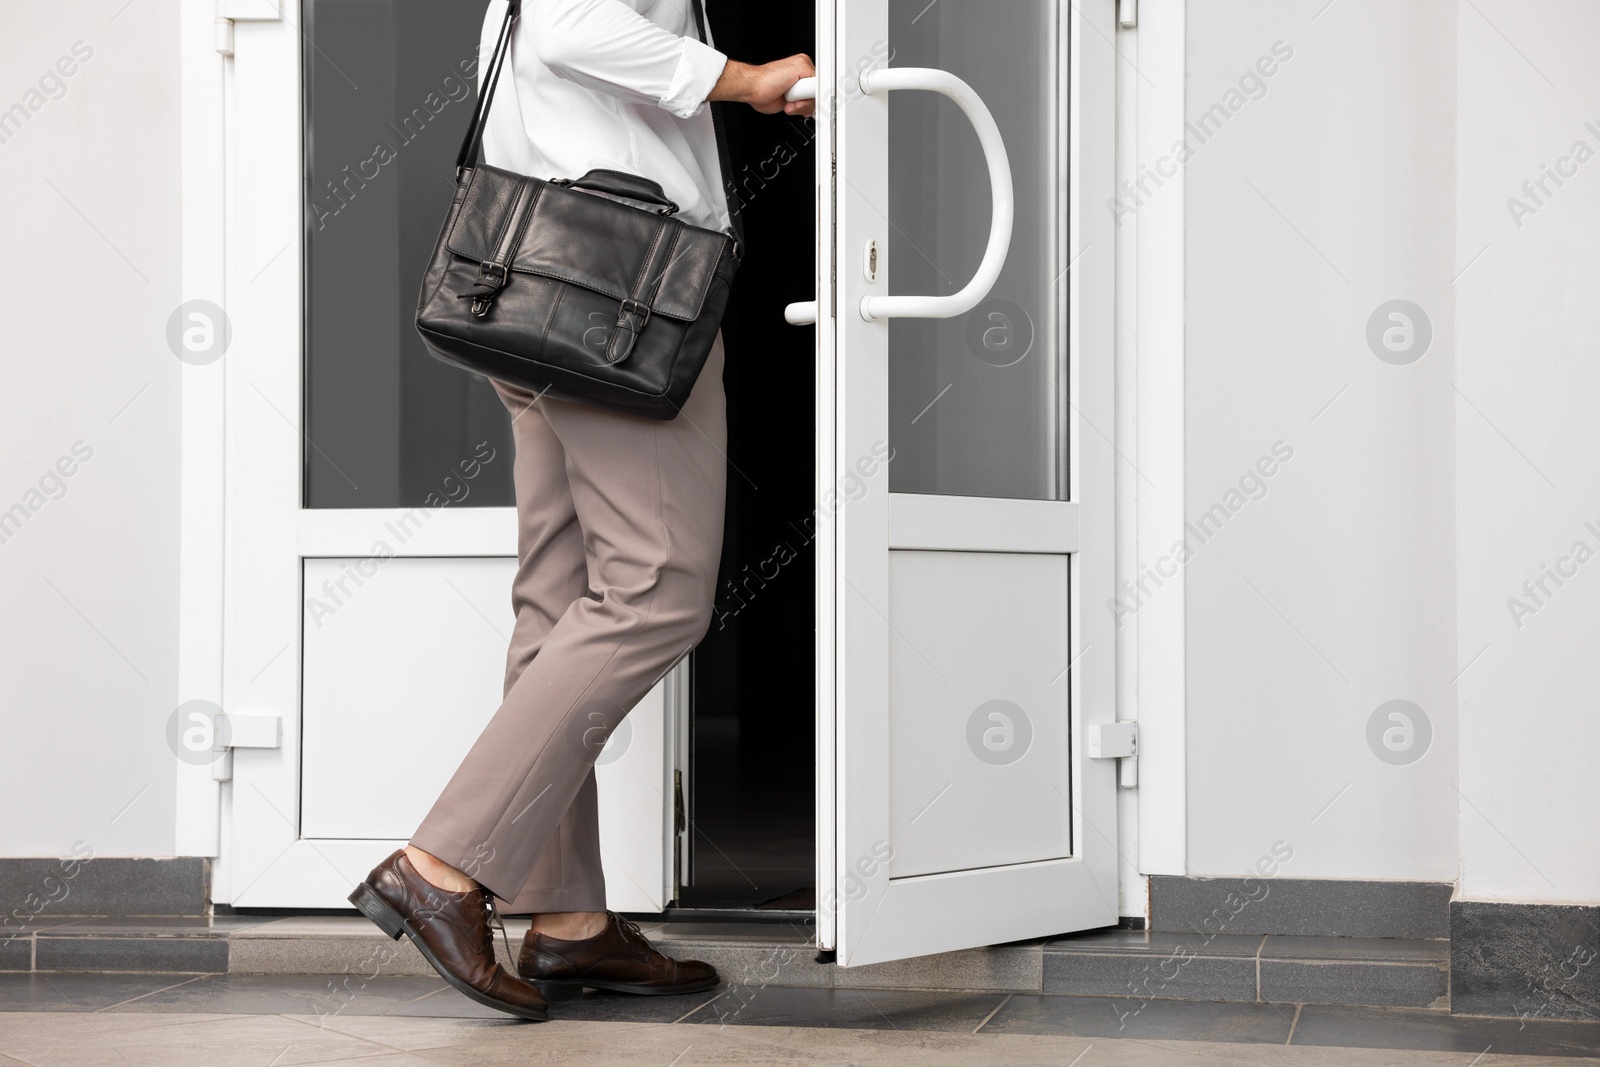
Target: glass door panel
[[975, 401], [389, 90]]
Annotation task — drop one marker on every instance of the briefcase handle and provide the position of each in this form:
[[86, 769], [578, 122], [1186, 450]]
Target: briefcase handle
[[621, 183]]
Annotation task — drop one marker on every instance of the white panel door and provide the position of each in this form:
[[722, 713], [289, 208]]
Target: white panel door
[[375, 635], [966, 383]]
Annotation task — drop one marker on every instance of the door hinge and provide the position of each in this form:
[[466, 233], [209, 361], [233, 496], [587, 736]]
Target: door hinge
[[1118, 741], [231, 11], [244, 731], [680, 822], [680, 818], [1127, 14]]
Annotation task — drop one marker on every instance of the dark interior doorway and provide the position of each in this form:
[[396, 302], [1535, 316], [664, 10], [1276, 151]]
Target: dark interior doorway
[[750, 791]]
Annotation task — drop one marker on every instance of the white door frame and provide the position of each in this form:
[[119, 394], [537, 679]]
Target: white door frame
[[244, 532], [198, 816], [824, 487], [1151, 68]]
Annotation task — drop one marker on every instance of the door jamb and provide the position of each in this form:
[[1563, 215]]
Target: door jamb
[[203, 75], [825, 436], [1150, 427]]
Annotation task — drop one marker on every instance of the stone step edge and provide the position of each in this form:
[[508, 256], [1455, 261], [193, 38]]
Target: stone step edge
[[1060, 969]]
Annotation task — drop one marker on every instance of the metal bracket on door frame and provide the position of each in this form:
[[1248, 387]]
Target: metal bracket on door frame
[[1118, 741], [231, 11], [246, 731]]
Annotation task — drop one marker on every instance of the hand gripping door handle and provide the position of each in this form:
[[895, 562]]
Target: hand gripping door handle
[[1001, 193]]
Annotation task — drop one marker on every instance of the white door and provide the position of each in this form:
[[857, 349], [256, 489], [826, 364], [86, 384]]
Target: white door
[[965, 653], [367, 607]]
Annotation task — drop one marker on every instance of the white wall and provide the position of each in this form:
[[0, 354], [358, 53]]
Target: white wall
[[89, 577], [1383, 560], [1528, 449], [1335, 591]]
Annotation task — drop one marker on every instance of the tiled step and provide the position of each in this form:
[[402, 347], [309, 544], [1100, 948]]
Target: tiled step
[[1133, 965], [1387, 972]]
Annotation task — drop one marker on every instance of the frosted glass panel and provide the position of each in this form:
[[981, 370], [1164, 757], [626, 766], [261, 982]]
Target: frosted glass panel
[[395, 650], [976, 402], [979, 773]]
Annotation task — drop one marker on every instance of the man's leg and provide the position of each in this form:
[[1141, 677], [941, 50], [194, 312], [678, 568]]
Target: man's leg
[[435, 901], [649, 498], [552, 572]]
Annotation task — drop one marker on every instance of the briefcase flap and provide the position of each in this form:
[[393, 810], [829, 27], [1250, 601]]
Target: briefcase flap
[[589, 240]]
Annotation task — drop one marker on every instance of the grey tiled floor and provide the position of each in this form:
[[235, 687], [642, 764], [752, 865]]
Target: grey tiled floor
[[89, 1019]]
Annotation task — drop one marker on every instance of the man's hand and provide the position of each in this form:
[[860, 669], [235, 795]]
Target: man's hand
[[762, 86]]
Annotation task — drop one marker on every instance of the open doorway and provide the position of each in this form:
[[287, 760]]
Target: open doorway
[[748, 783], [750, 790]]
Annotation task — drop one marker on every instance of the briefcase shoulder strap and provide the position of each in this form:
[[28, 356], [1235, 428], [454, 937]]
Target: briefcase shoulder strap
[[735, 216], [472, 142]]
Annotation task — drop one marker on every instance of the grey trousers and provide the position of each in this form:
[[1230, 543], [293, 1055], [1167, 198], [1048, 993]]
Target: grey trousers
[[619, 532]]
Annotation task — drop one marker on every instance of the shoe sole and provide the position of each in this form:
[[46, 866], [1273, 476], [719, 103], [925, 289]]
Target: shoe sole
[[371, 904], [567, 988]]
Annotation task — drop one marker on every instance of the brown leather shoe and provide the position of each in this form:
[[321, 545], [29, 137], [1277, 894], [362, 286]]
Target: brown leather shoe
[[618, 958], [451, 930]]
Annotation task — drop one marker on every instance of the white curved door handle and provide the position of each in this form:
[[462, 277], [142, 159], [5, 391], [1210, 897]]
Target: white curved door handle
[[934, 80], [804, 312]]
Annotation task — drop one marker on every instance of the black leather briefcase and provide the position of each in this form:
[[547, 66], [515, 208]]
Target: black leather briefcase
[[586, 289]]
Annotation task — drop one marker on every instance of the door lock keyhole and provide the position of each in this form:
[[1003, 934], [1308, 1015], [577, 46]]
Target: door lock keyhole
[[870, 262]]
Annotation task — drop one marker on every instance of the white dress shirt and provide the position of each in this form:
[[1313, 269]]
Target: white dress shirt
[[616, 84]]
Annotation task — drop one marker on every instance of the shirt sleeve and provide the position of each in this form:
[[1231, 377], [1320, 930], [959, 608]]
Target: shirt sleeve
[[606, 46]]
